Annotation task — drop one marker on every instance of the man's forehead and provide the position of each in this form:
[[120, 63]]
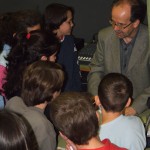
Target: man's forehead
[[121, 13]]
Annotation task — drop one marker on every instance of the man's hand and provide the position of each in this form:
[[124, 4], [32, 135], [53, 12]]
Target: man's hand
[[129, 111]]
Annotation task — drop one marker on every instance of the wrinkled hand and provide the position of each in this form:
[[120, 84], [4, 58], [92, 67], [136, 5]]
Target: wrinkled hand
[[129, 111]]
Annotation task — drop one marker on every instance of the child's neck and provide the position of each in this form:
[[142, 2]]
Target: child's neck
[[42, 105], [92, 144], [109, 116], [60, 36]]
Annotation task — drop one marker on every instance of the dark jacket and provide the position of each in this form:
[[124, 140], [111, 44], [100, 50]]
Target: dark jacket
[[68, 58]]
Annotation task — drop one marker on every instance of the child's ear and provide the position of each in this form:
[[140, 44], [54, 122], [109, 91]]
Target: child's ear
[[43, 58], [128, 102], [69, 144], [97, 114], [55, 31], [63, 136], [55, 94], [97, 100]]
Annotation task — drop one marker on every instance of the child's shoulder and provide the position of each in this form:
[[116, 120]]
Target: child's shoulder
[[68, 42], [132, 119], [110, 146]]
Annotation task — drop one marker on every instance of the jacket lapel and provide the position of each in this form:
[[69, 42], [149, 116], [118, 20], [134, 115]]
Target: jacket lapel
[[137, 50], [115, 50]]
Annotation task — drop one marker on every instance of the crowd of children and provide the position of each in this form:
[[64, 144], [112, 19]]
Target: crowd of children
[[41, 95]]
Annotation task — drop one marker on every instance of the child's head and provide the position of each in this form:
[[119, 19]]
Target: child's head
[[58, 19], [74, 116], [15, 22], [114, 92], [42, 81], [15, 133], [27, 20], [37, 45]]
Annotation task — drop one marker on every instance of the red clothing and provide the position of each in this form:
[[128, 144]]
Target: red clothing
[[107, 146]]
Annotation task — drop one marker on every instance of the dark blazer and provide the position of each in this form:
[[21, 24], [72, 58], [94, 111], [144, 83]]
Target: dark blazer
[[107, 59], [68, 58]]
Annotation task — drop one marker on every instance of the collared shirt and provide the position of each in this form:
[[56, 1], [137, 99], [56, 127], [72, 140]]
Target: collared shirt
[[125, 53]]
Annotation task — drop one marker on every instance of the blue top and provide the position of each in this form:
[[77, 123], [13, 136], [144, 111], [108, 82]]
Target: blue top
[[125, 131], [68, 58], [3, 62], [3, 54]]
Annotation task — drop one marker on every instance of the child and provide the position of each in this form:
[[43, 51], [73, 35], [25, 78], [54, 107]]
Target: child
[[10, 24], [42, 82], [28, 20], [115, 94], [59, 20], [30, 47], [15, 132], [75, 117]]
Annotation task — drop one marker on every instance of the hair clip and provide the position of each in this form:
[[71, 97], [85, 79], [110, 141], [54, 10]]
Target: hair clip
[[28, 36]]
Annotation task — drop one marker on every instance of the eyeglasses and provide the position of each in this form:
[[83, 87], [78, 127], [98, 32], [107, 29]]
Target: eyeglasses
[[120, 25]]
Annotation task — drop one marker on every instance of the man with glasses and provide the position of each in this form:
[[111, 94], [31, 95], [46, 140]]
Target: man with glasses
[[123, 48]]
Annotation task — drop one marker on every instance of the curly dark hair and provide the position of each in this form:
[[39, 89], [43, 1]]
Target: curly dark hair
[[25, 52], [15, 22]]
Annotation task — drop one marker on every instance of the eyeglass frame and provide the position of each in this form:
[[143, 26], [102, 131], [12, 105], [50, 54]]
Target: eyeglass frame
[[119, 24]]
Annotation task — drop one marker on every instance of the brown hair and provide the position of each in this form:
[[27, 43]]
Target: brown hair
[[73, 114], [114, 91], [41, 79], [55, 14], [16, 132]]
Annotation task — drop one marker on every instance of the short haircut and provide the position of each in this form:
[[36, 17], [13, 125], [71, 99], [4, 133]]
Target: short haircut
[[73, 114], [15, 132], [138, 8], [114, 91], [41, 79], [55, 14]]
